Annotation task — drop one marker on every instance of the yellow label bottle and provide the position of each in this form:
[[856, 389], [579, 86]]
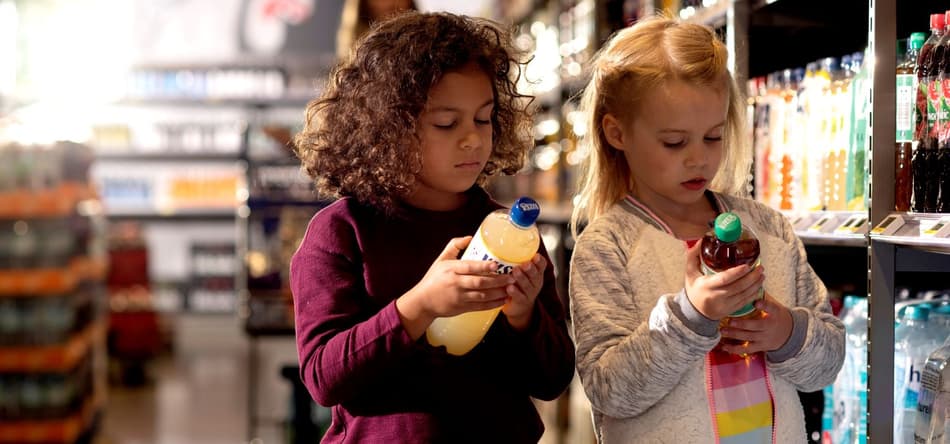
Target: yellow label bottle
[[506, 237]]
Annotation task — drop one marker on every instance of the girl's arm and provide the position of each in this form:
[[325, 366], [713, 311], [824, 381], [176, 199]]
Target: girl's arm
[[343, 343], [629, 356], [542, 356], [822, 354]]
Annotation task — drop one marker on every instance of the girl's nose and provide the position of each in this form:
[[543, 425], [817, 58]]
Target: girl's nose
[[471, 141], [696, 155]]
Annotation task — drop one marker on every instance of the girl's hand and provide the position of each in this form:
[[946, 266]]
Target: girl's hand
[[529, 278], [767, 333], [452, 287], [718, 295]]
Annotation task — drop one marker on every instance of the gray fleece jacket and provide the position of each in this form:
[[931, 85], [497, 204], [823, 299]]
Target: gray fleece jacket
[[641, 344]]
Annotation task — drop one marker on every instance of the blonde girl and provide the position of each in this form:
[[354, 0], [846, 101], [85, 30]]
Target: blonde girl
[[666, 156]]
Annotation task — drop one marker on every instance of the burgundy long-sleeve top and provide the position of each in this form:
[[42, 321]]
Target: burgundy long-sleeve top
[[383, 387]]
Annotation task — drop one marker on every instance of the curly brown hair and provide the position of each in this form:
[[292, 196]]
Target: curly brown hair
[[360, 137]]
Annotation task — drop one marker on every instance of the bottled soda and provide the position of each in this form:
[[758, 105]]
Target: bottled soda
[[506, 237], [922, 163], [942, 126], [726, 245], [906, 91]]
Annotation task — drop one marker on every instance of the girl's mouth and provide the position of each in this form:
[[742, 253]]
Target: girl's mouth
[[695, 184]]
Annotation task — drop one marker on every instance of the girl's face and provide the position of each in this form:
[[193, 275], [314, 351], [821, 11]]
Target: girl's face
[[673, 143], [456, 133]]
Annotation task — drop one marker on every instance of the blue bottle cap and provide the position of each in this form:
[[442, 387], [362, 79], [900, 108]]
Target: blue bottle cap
[[524, 212], [917, 312]]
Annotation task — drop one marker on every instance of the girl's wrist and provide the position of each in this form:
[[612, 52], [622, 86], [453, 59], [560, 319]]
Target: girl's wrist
[[413, 315]]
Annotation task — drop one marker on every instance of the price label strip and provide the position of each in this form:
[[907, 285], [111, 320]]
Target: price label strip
[[939, 229], [856, 224], [889, 225], [824, 221]]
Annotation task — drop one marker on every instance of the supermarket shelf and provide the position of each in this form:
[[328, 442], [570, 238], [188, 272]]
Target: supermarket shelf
[[830, 228], [255, 202], [253, 102], [64, 430], [170, 156], [57, 358], [51, 281], [55, 202], [912, 233], [835, 240], [150, 213]]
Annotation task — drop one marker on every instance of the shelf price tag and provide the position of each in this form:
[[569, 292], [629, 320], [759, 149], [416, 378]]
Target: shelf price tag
[[822, 222], [856, 224], [889, 225], [940, 229]]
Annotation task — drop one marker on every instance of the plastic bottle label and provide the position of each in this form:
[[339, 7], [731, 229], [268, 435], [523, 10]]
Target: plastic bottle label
[[477, 251], [905, 107], [746, 309]]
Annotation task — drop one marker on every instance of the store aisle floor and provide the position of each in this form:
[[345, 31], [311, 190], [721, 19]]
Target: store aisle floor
[[197, 394]]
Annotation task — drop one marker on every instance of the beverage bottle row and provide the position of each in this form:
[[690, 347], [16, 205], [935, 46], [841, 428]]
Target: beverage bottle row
[[39, 396], [809, 135], [49, 320], [925, 187], [844, 420]]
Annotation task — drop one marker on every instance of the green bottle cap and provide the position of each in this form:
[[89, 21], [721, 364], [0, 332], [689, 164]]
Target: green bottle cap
[[728, 227], [917, 40]]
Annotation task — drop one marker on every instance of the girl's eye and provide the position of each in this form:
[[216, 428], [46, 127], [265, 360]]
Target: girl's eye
[[483, 122], [445, 125], [675, 144], [714, 139]]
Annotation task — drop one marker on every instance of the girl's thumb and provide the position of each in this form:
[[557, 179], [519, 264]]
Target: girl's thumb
[[454, 248], [692, 260]]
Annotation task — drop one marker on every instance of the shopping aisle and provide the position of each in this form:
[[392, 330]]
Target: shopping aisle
[[196, 394]]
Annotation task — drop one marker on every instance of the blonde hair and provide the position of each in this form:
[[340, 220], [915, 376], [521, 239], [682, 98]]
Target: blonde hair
[[637, 60]]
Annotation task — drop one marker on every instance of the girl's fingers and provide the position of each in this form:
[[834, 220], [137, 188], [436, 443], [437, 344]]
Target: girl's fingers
[[474, 267], [484, 282], [521, 279], [454, 248], [485, 296], [515, 293], [692, 262], [728, 277]]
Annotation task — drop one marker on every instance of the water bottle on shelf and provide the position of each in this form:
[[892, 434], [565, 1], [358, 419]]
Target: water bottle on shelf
[[933, 406], [913, 343], [506, 237]]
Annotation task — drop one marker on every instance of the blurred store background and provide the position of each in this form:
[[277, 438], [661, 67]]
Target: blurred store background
[[149, 201]]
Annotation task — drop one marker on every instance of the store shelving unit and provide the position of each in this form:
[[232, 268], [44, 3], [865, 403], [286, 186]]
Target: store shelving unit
[[52, 300]]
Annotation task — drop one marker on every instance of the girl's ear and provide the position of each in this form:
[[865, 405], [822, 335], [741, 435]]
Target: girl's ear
[[613, 131]]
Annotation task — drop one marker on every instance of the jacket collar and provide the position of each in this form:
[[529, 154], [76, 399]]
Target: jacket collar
[[641, 210]]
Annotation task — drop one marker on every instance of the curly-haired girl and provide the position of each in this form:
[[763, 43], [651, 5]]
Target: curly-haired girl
[[409, 127]]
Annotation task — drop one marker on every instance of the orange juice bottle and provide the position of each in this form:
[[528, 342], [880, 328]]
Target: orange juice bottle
[[506, 237], [727, 245]]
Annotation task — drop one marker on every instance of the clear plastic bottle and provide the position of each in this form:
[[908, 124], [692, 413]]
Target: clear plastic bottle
[[727, 245], [913, 343], [933, 405], [506, 237]]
